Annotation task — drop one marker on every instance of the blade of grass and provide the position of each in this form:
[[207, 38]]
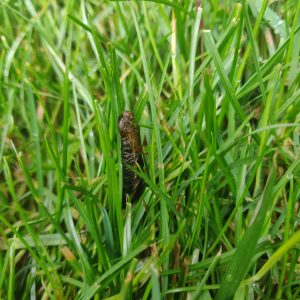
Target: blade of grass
[[11, 280], [289, 244], [241, 260], [200, 287], [156, 136], [92, 289], [212, 49]]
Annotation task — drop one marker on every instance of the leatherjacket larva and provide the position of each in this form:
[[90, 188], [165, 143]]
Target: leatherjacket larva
[[131, 150]]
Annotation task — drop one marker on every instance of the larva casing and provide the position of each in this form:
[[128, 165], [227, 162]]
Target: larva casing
[[131, 150]]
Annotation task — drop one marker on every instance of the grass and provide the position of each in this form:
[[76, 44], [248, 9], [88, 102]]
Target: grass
[[215, 90]]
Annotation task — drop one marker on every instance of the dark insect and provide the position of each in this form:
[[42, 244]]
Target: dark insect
[[131, 150]]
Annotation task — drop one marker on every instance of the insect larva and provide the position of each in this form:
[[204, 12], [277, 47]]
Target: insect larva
[[131, 150]]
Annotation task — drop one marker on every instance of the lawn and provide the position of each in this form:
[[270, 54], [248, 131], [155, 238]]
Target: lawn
[[214, 87]]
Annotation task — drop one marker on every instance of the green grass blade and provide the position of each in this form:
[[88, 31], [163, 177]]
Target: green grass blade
[[241, 260]]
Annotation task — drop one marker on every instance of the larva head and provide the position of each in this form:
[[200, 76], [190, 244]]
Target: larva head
[[125, 123]]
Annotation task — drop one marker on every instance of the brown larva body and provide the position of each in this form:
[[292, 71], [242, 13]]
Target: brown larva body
[[131, 151]]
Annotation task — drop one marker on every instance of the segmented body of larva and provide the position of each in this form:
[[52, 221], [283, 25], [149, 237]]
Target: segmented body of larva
[[131, 150]]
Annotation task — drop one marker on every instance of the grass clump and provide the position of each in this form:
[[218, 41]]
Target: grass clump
[[215, 90]]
